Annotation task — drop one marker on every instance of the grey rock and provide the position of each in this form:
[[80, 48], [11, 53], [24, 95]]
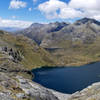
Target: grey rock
[[33, 89], [5, 97], [20, 95]]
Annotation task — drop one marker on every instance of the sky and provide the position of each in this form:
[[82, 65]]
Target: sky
[[22, 13]]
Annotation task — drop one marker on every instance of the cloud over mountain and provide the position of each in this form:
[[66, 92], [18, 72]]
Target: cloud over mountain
[[74, 9], [14, 23]]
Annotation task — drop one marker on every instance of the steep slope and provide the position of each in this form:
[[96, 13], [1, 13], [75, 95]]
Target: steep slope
[[24, 51]]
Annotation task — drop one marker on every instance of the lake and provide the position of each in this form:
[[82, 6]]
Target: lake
[[68, 79]]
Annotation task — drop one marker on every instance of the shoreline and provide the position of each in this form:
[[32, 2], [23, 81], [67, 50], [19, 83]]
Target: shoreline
[[59, 67], [66, 66]]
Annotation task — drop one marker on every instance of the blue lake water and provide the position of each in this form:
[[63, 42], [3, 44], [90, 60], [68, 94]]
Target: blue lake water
[[68, 79]]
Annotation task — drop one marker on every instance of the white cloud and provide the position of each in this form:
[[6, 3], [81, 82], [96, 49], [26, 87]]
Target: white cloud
[[16, 4], [30, 9], [0, 19], [96, 17], [14, 23], [90, 8], [69, 13], [50, 8], [75, 8], [14, 17], [84, 4], [34, 0]]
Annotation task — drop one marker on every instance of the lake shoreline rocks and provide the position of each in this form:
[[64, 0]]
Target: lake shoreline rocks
[[17, 87]]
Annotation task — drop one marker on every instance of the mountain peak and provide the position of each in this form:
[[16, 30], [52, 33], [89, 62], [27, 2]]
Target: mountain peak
[[87, 20]]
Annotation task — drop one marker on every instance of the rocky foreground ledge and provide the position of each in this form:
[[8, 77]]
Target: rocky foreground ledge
[[16, 87]]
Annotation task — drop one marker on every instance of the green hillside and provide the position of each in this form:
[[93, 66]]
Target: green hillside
[[31, 55]]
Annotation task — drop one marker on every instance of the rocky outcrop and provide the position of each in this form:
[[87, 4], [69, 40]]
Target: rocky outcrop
[[15, 55], [4, 96]]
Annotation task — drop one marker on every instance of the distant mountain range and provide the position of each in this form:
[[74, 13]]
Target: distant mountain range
[[10, 29]]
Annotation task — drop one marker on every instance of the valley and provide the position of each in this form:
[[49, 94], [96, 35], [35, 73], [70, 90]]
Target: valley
[[50, 50], [55, 44]]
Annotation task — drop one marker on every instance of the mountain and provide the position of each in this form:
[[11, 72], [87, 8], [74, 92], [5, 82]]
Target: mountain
[[85, 20], [38, 31], [71, 44], [47, 35], [85, 30]]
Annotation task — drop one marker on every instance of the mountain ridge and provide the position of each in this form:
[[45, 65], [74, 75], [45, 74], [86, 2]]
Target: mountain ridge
[[39, 32]]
